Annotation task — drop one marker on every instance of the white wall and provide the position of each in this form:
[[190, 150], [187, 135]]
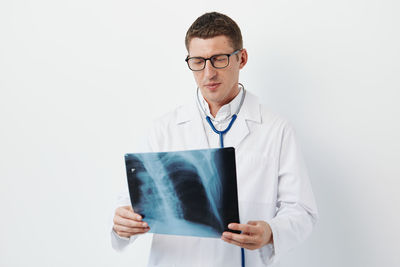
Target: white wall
[[80, 82]]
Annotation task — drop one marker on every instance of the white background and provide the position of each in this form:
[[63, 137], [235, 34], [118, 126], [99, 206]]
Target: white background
[[81, 80]]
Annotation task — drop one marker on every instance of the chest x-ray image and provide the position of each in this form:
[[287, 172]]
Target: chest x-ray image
[[191, 192]]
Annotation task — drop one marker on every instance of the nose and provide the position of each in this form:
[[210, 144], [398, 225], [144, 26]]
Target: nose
[[209, 71]]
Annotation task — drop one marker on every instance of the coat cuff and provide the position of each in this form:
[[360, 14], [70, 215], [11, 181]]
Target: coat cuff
[[120, 243], [270, 253]]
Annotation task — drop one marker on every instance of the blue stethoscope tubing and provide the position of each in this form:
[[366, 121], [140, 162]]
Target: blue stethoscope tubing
[[221, 137], [221, 133]]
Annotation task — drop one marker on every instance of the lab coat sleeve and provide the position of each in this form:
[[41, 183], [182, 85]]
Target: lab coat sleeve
[[296, 209], [117, 242], [148, 144]]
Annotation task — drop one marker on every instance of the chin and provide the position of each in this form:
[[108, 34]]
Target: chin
[[217, 95], [211, 94]]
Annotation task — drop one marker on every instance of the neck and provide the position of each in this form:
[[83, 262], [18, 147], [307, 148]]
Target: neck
[[214, 109], [215, 106]]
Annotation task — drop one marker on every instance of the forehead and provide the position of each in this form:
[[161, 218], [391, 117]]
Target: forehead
[[199, 47]]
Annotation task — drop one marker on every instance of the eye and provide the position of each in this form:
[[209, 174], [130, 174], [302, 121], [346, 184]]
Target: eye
[[219, 58], [197, 61]]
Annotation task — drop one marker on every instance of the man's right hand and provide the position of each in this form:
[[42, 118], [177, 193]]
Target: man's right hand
[[128, 223]]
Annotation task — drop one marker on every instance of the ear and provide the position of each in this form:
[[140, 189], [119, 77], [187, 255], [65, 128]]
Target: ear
[[243, 58]]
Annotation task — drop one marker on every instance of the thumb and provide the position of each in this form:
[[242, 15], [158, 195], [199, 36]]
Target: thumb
[[128, 208]]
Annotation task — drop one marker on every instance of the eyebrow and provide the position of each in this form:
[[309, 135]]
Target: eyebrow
[[222, 53]]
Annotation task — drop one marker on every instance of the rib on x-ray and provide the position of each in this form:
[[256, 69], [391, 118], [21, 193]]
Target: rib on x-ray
[[191, 192]]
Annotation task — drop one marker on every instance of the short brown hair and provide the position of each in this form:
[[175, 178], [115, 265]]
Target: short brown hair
[[215, 24]]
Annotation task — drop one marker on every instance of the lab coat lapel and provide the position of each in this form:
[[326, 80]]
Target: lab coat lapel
[[237, 133], [250, 111], [189, 120]]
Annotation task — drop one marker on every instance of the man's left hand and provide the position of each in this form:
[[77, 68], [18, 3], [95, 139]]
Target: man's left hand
[[254, 234]]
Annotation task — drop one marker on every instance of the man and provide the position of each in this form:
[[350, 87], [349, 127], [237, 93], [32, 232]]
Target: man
[[276, 203]]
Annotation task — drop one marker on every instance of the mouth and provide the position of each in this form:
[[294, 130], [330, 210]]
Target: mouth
[[212, 86]]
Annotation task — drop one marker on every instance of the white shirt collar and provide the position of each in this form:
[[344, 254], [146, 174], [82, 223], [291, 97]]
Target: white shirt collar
[[226, 110]]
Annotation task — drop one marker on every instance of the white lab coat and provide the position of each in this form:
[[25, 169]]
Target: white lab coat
[[273, 186]]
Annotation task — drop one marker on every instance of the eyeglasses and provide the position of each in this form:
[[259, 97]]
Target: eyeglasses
[[217, 61]]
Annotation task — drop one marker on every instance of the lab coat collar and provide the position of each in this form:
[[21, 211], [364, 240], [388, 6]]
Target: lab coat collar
[[249, 111], [225, 111], [191, 117], [251, 108]]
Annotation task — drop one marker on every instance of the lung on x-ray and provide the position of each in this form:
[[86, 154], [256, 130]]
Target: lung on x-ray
[[191, 192]]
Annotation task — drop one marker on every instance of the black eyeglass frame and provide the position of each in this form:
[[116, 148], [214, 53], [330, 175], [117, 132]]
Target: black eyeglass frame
[[210, 59]]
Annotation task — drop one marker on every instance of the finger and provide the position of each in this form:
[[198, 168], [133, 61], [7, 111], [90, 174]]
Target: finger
[[245, 228], [131, 230], [234, 242], [128, 214], [129, 223], [122, 228], [129, 208], [126, 234], [123, 234], [240, 238]]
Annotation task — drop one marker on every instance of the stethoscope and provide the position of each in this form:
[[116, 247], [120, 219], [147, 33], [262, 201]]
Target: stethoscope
[[233, 118], [221, 133]]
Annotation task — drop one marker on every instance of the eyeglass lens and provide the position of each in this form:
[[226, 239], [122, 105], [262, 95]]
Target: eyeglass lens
[[218, 61]]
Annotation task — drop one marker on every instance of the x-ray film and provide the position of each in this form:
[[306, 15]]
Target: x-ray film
[[191, 192]]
